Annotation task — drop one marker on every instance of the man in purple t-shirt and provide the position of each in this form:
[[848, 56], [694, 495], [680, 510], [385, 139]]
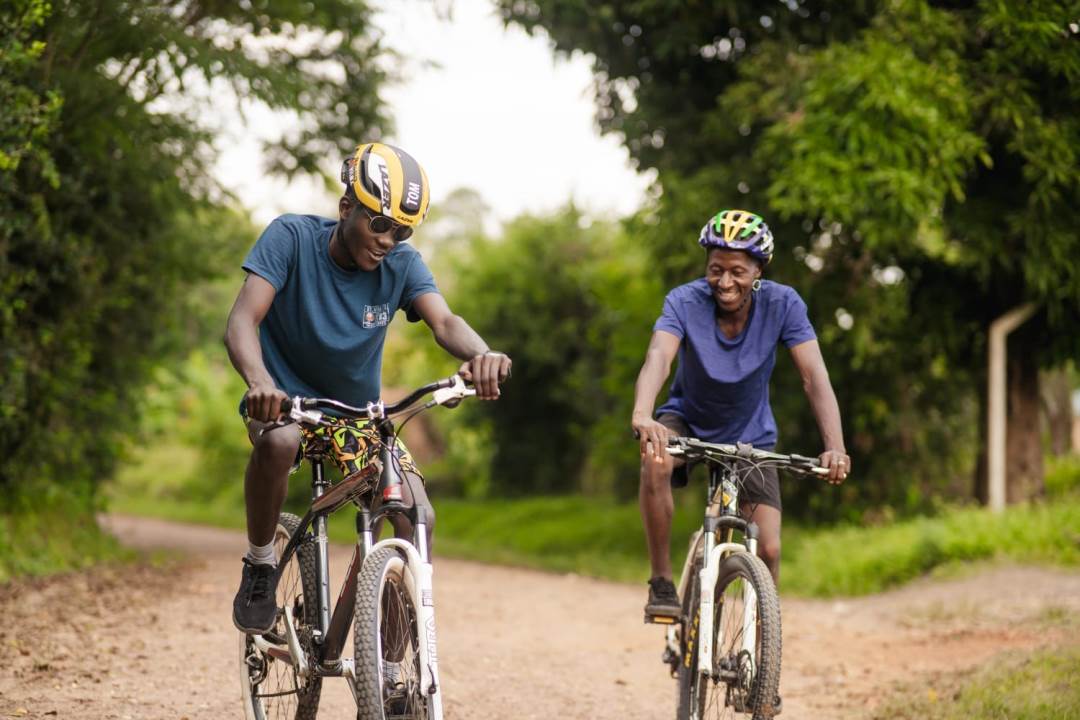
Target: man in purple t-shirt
[[725, 328]]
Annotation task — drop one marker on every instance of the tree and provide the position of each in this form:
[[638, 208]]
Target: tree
[[110, 214], [570, 302], [919, 157]]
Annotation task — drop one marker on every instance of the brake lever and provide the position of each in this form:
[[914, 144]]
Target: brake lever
[[310, 417], [452, 396]]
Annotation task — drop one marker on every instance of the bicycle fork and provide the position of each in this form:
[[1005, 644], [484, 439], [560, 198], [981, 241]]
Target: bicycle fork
[[418, 581], [714, 553]]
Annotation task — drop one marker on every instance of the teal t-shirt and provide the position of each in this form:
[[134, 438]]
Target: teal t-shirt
[[323, 335]]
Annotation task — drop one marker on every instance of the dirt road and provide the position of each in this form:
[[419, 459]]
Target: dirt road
[[154, 642]]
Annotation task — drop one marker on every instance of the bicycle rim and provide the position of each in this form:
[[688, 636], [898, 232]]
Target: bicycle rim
[[745, 676], [270, 685], [386, 642]]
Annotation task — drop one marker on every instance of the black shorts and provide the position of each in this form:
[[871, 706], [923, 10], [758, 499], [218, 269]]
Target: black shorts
[[759, 487]]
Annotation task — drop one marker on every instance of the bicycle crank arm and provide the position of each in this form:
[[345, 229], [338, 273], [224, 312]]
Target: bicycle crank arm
[[294, 655], [299, 659]]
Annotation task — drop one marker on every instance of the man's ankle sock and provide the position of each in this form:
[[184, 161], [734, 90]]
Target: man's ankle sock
[[262, 554]]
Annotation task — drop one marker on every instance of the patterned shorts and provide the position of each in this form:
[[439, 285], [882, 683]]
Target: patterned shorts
[[351, 445]]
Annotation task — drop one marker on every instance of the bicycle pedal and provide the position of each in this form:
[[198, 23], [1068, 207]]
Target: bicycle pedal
[[660, 619]]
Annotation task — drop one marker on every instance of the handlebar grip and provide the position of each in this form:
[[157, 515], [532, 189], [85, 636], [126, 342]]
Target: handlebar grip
[[286, 405], [811, 461]]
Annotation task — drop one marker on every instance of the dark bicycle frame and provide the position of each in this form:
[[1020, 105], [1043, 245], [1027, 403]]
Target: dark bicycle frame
[[332, 631]]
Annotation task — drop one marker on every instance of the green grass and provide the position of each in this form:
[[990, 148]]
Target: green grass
[[601, 539], [53, 542], [1039, 687], [862, 560], [1062, 475]]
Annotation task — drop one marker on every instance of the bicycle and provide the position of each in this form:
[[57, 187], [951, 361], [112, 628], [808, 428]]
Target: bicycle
[[386, 596], [725, 649]]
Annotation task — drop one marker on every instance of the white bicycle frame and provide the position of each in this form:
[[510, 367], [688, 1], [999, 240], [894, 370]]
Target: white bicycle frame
[[713, 554], [418, 583]]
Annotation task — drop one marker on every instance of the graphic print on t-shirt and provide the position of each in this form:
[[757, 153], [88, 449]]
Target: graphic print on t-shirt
[[376, 315]]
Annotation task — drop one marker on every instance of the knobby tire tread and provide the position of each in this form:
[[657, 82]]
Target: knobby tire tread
[[767, 677], [689, 633], [365, 640], [307, 704]]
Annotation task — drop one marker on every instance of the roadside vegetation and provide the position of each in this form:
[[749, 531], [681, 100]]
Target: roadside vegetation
[[59, 540], [1041, 686], [604, 539]]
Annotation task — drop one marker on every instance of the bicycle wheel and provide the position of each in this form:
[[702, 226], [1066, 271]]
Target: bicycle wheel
[[688, 635], [386, 642], [740, 682], [270, 685]]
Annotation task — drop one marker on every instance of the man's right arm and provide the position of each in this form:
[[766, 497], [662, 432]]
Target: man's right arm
[[242, 341], [662, 350]]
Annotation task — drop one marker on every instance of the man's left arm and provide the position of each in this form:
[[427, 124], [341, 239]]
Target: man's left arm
[[815, 379], [483, 367]]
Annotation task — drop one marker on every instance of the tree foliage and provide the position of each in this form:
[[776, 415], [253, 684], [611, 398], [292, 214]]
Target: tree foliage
[[572, 303], [917, 161], [110, 214], [562, 298]]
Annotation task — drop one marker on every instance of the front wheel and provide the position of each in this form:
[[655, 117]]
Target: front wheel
[[269, 683], [744, 678], [386, 642]]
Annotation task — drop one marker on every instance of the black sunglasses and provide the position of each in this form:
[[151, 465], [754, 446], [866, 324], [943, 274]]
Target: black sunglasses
[[381, 225]]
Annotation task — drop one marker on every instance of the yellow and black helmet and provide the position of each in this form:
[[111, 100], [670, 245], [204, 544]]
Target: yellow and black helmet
[[387, 180]]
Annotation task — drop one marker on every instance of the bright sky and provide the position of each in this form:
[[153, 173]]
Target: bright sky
[[479, 106]]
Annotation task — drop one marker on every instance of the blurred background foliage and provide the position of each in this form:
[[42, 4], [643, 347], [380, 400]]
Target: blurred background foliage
[[111, 225], [916, 160]]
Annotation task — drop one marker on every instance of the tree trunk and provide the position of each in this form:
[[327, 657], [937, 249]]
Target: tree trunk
[[1057, 404], [1023, 443], [982, 481]]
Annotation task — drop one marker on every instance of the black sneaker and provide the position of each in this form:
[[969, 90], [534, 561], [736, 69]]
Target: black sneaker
[[254, 608], [663, 599]]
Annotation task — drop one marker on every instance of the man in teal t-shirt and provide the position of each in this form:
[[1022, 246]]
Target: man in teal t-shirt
[[311, 320]]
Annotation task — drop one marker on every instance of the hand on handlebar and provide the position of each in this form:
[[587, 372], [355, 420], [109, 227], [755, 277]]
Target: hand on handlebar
[[486, 371], [651, 433], [264, 401], [837, 463]]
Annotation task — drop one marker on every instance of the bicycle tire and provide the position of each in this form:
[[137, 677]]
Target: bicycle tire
[[688, 640], [705, 698], [270, 687], [386, 629]]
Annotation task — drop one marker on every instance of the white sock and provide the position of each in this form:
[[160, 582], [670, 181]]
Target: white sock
[[262, 554], [391, 672]]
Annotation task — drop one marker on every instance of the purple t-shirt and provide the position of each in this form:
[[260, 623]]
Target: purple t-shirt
[[721, 387]]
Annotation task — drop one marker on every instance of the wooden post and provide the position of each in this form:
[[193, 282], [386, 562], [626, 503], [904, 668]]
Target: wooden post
[[996, 405]]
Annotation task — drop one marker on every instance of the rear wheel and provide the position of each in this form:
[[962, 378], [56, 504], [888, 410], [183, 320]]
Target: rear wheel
[[270, 685], [745, 675], [386, 642]]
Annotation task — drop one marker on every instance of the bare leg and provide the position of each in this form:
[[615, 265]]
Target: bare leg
[[768, 521], [267, 478], [657, 508]]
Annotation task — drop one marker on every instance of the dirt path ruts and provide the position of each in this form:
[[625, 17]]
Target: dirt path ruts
[[151, 643]]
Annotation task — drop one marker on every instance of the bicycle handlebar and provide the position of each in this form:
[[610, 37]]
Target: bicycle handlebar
[[447, 391], [691, 446]]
